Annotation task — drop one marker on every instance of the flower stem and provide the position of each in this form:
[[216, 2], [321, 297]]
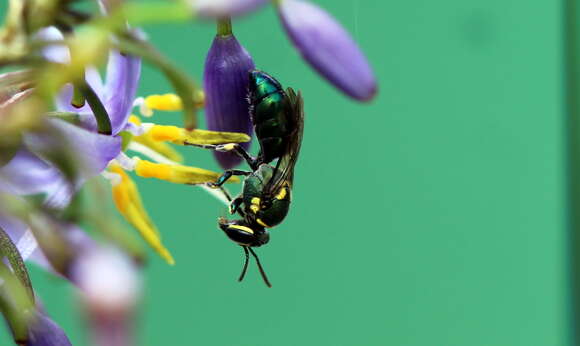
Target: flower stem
[[78, 99], [10, 251], [101, 115], [572, 132], [224, 26]]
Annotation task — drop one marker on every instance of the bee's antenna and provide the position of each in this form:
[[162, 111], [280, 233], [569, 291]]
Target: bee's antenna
[[261, 269], [245, 264]]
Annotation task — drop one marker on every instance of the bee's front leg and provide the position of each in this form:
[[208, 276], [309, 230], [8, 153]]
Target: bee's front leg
[[227, 175]]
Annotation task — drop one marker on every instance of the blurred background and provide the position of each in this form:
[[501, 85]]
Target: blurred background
[[431, 216]]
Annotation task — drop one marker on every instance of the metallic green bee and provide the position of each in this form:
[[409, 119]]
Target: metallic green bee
[[278, 120]]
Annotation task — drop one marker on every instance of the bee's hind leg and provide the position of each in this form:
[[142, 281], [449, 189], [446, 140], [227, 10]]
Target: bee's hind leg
[[231, 147]]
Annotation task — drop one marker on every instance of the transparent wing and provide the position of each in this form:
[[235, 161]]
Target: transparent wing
[[284, 170]]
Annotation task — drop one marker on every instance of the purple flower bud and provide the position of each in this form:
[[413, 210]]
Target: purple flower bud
[[45, 332], [329, 48], [225, 8], [226, 81]]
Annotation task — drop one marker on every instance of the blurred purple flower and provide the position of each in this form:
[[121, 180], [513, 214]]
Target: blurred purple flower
[[110, 289], [225, 8], [328, 47], [42, 331], [226, 81], [29, 172]]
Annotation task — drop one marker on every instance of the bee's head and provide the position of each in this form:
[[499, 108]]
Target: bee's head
[[240, 232], [244, 234]]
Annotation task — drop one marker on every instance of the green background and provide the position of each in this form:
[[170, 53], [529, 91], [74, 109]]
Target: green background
[[432, 216]]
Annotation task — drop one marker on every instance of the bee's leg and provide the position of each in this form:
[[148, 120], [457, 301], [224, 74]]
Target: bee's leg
[[228, 174], [245, 268], [235, 206], [225, 192], [234, 202], [231, 147]]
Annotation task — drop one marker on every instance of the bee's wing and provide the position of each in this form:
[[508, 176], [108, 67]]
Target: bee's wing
[[284, 171]]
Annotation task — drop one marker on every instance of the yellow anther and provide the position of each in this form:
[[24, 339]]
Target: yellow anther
[[254, 208], [129, 204], [262, 223], [157, 146], [167, 102], [256, 201], [178, 135], [215, 137], [164, 133], [147, 169], [242, 228], [177, 173]]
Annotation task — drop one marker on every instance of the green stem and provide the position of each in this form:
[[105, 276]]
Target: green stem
[[15, 305], [78, 99], [224, 27], [10, 251], [99, 111], [572, 133]]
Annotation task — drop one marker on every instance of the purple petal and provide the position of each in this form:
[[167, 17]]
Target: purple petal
[[326, 45], [225, 8], [94, 150], [226, 81], [61, 195], [28, 174], [123, 72], [24, 240], [43, 331]]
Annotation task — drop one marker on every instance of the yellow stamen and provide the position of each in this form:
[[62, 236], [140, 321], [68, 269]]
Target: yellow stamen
[[167, 102], [162, 148], [155, 137], [128, 202], [182, 136], [147, 169], [163, 133], [177, 173]]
